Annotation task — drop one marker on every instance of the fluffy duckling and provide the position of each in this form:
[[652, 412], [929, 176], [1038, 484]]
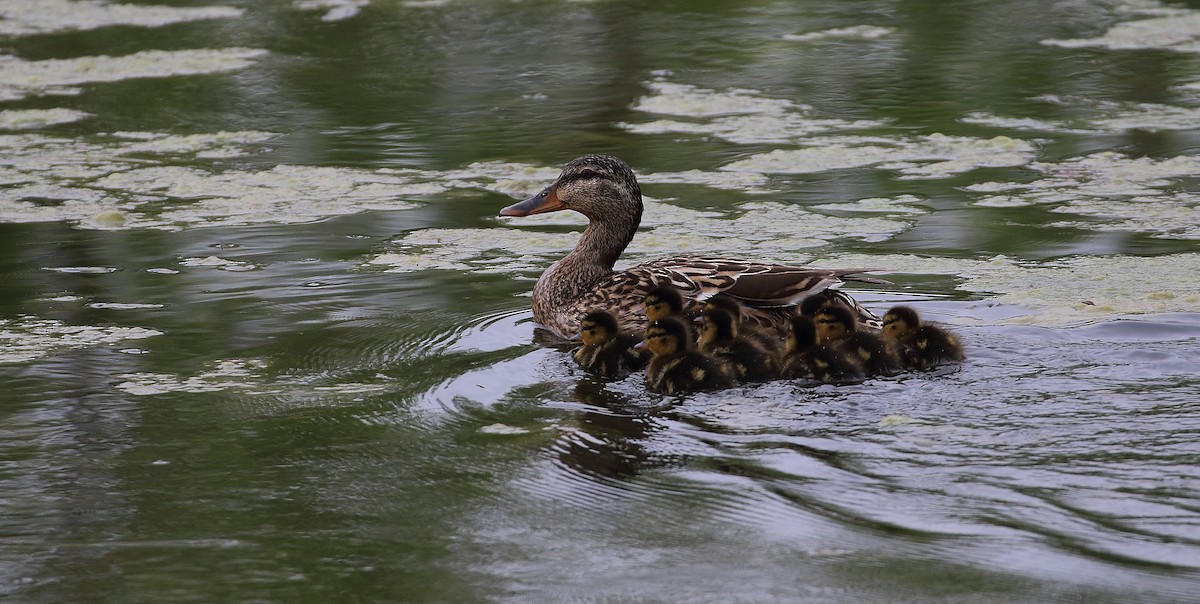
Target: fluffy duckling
[[805, 358], [815, 303], [767, 339], [836, 326], [922, 345], [747, 359], [666, 301], [663, 301], [606, 351], [675, 366]]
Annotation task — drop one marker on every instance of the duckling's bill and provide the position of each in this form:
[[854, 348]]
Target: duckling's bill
[[545, 201]]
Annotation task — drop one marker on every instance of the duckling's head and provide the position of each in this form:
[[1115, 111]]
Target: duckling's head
[[725, 303], [664, 301], [900, 322], [718, 326], [813, 304], [597, 327], [600, 187], [667, 336], [833, 322], [801, 334]]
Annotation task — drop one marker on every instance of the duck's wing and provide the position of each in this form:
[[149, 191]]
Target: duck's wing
[[753, 283]]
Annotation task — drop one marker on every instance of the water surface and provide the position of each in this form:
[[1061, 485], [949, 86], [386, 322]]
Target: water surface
[[263, 338]]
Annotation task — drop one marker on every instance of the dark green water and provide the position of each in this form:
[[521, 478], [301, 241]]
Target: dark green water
[[294, 362]]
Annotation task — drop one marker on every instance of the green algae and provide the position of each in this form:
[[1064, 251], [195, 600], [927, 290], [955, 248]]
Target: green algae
[[28, 338], [20, 78], [29, 17], [1073, 290]]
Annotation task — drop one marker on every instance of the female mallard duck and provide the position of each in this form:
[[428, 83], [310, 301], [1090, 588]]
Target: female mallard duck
[[605, 190], [749, 360], [606, 351], [923, 346], [836, 326], [804, 358], [675, 366]]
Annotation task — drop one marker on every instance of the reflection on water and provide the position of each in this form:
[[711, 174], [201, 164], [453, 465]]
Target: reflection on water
[[263, 338]]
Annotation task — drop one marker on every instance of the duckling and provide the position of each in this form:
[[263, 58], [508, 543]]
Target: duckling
[[805, 358], [771, 342], [815, 303], [923, 346], [675, 366], [836, 326], [666, 301], [747, 359], [606, 351], [663, 301]]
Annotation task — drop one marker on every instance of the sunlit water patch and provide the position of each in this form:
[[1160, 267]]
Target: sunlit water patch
[[1068, 291], [769, 230], [239, 374], [1094, 117], [28, 338], [20, 78], [1113, 191], [335, 10], [738, 116], [27, 17], [854, 32], [930, 156], [29, 119], [1165, 27]]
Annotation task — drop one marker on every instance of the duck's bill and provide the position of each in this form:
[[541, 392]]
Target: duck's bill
[[545, 201]]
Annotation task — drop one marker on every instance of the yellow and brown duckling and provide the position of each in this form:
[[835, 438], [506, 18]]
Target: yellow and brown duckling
[[662, 302], [747, 359], [923, 346], [606, 351], [676, 367], [667, 301], [767, 338], [836, 326], [805, 358], [821, 300]]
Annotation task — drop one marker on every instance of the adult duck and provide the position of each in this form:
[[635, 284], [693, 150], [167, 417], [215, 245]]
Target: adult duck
[[604, 189]]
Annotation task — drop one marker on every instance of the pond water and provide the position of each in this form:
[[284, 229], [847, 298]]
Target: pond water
[[263, 337]]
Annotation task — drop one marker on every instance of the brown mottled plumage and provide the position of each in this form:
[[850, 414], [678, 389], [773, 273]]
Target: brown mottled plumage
[[922, 345], [747, 359], [836, 327], [606, 351], [805, 358], [675, 366], [604, 189]]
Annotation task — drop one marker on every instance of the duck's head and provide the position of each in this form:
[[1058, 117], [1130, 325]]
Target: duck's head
[[900, 322], [661, 302], [718, 326], [666, 337], [600, 187], [597, 327], [833, 322], [802, 333]]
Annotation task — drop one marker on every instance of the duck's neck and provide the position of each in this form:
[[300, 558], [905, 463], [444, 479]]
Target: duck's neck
[[592, 260]]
